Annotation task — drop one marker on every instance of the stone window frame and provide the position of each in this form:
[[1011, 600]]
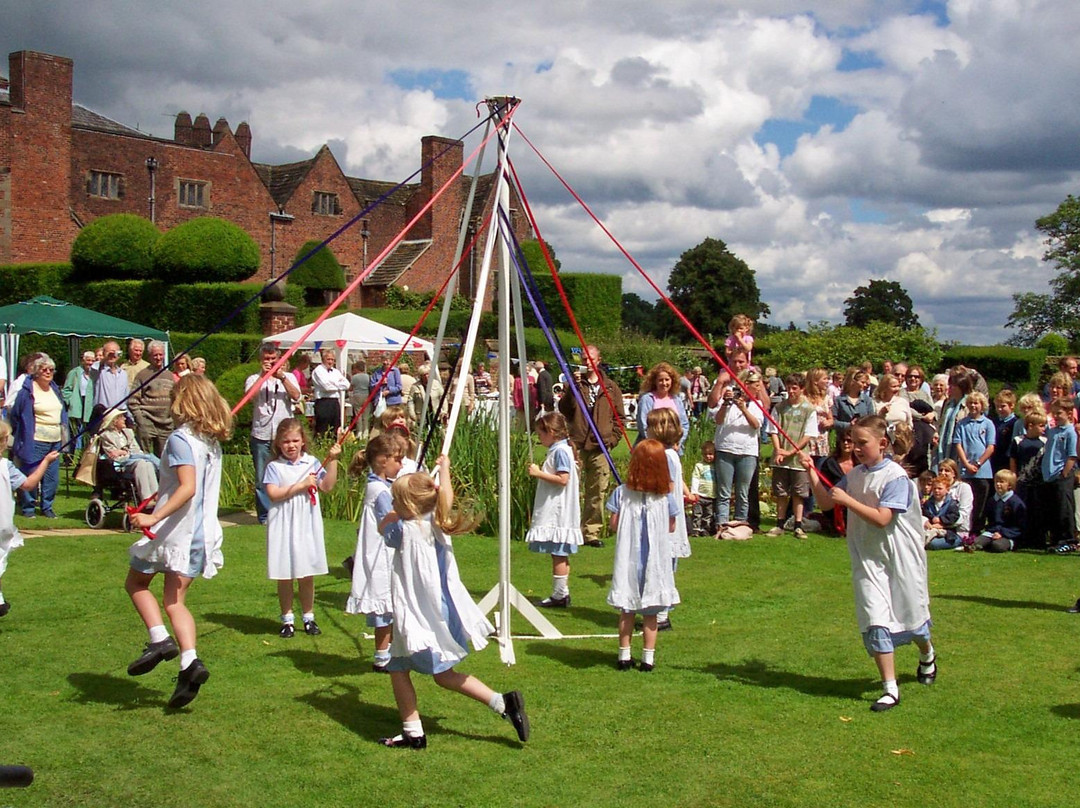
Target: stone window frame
[[185, 187], [113, 185], [325, 203]]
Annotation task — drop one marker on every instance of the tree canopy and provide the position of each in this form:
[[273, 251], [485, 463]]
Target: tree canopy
[[710, 285], [880, 301], [1035, 314]]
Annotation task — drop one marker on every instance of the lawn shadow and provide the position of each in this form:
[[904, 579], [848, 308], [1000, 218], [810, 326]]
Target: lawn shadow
[[1066, 710], [1002, 603], [373, 721], [328, 598], [601, 580], [321, 664], [579, 658], [759, 673], [122, 692], [245, 623], [607, 619]]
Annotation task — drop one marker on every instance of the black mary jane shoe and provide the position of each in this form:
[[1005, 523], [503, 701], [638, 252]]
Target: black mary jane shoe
[[405, 742]]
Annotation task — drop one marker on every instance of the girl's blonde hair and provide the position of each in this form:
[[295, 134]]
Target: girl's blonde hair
[[975, 395], [286, 427], [950, 464], [197, 403], [1029, 403], [416, 495], [663, 425], [815, 376], [740, 321], [648, 470]]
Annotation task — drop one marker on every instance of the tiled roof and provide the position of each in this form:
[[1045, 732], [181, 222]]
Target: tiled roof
[[83, 118], [367, 191], [283, 180], [397, 262]]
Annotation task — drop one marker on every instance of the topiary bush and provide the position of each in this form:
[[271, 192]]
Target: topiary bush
[[320, 272], [118, 246], [206, 250]]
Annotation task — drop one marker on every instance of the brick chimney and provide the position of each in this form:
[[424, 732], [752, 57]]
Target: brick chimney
[[182, 131], [440, 157], [202, 134], [243, 138], [220, 130]]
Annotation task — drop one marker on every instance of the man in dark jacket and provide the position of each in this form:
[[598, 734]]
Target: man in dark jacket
[[596, 474]]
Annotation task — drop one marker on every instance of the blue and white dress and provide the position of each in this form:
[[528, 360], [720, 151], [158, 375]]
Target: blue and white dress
[[370, 593], [11, 479], [556, 518], [295, 547], [435, 618], [187, 541], [643, 579], [680, 541]]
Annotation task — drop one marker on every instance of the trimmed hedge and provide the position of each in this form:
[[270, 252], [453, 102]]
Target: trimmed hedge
[[19, 282], [118, 246], [321, 271], [221, 351], [231, 386], [596, 300], [206, 250], [1001, 364]]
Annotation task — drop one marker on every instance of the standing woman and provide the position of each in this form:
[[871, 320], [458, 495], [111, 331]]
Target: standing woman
[[854, 403], [953, 411], [737, 441], [359, 390], [328, 383], [79, 395], [39, 420], [888, 402], [659, 390]]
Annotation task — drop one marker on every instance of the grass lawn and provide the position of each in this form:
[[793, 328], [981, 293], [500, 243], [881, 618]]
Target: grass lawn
[[760, 697]]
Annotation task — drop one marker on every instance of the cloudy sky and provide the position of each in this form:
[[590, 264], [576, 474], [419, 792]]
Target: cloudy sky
[[826, 141]]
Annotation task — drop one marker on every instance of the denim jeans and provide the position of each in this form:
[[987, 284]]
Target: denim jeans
[[260, 458], [49, 483], [732, 475]]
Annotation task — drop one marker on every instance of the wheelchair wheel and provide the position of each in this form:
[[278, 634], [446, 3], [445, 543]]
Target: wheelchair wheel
[[95, 513], [127, 521]]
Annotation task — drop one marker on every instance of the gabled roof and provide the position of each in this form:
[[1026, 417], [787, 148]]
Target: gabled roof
[[403, 256], [282, 181], [83, 118], [367, 191]]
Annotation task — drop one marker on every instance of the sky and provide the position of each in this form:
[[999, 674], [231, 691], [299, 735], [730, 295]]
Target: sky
[[827, 142]]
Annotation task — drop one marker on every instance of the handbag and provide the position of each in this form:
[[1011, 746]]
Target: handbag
[[87, 471]]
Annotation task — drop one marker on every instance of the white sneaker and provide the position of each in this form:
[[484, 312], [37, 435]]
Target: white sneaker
[[776, 531]]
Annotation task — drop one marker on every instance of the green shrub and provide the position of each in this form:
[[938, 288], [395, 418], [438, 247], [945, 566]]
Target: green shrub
[[117, 246], [221, 351], [596, 300], [836, 347], [230, 383], [999, 364], [206, 250], [320, 271], [1054, 344], [19, 282]]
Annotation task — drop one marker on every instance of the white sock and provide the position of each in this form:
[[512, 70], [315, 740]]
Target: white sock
[[891, 688], [288, 619], [158, 633], [497, 704], [309, 616], [383, 656], [624, 654], [661, 616], [928, 655], [412, 729], [559, 586], [2, 601], [187, 657], [648, 655]]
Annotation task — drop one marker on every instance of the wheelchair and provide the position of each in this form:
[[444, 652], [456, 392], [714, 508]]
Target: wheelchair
[[114, 490]]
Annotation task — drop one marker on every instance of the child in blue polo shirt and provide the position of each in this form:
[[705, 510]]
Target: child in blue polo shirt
[[1058, 463], [974, 439]]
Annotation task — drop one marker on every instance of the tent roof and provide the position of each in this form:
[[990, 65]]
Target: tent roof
[[47, 315], [358, 334]]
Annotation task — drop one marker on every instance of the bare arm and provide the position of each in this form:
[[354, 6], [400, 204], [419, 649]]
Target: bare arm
[[180, 497], [32, 480]]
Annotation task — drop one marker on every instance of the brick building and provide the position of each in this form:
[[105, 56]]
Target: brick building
[[62, 166]]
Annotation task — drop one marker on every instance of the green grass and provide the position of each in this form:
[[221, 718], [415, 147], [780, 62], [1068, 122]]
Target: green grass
[[760, 696]]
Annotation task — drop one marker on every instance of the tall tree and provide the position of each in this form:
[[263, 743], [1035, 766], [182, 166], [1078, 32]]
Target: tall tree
[[638, 313], [710, 285], [880, 301], [1036, 314]]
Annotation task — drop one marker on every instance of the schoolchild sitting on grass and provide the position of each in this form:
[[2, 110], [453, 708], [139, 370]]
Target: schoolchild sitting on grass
[[1005, 516]]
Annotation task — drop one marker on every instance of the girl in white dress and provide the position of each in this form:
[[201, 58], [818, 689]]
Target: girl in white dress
[[435, 618], [888, 562], [643, 519], [556, 518], [11, 479], [295, 549], [182, 537], [664, 426], [370, 593]]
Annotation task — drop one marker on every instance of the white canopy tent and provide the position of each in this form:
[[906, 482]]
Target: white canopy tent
[[350, 332]]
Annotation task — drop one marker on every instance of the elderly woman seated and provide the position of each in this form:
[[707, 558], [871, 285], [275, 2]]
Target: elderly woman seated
[[117, 442]]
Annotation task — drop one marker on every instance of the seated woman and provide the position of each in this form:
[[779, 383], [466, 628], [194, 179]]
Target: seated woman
[[117, 442]]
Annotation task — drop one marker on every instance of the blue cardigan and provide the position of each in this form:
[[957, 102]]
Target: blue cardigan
[[22, 419], [646, 402]]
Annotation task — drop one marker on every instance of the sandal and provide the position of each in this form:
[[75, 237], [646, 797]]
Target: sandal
[[926, 673], [1063, 549], [886, 702]]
